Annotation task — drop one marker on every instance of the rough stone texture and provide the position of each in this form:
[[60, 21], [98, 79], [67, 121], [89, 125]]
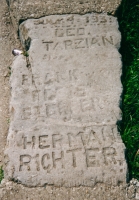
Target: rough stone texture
[[65, 103], [13, 191], [4, 94], [9, 40], [22, 9]]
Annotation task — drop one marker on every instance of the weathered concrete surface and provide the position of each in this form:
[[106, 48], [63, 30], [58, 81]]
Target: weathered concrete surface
[[22, 9], [11, 13], [7, 41], [65, 103], [14, 191], [4, 94]]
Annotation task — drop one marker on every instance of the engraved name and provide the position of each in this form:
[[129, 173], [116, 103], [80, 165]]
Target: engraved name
[[79, 43], [86, 146], [51, 89]]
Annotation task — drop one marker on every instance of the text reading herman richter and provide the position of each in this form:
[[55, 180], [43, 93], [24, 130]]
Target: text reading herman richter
[[92, 147]]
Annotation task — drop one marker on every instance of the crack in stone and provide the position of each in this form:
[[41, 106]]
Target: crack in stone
[[33, 79]]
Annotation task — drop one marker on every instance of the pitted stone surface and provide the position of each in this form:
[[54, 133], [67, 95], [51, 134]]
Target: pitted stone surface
[[65, 103], [21, 9]]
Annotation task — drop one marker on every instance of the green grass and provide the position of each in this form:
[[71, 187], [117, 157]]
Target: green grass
[[1, 174], [128, 14]]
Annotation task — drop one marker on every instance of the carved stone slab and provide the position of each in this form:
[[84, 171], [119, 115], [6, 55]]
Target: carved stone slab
[[65, 103]]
